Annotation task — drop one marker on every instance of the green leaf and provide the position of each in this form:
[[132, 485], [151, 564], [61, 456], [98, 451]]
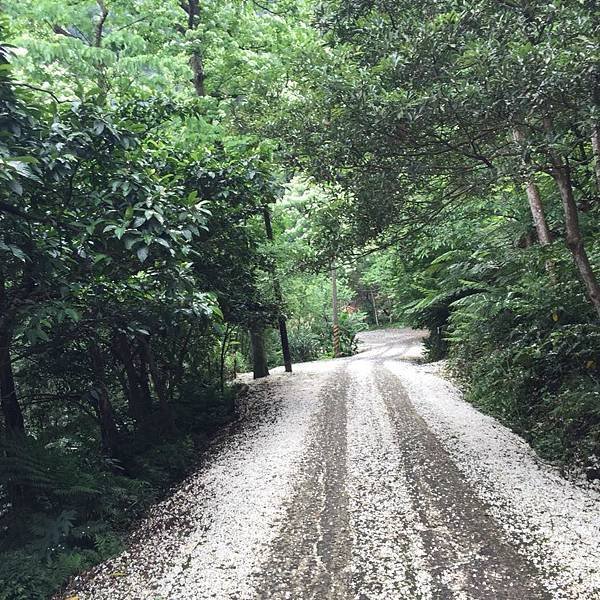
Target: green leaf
[[142, 253]]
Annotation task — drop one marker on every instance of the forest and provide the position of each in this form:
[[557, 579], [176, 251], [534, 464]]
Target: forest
[[178, 180]]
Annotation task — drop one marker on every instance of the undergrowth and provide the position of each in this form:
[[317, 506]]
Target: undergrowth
[[531, 357], [76, 506]]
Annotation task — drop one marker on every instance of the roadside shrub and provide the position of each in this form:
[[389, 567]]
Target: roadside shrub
[[80, 505], [531, 358], [305, 344], [351, 324], [311, 340]]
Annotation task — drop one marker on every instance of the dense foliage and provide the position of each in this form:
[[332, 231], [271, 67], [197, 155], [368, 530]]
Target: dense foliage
[[133, 254]]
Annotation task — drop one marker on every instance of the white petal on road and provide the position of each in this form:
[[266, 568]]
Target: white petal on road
[[233, 505]]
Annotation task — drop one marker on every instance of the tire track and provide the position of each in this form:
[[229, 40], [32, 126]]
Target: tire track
[[388, 556], [362, 479], [468, 554], [310, 557]]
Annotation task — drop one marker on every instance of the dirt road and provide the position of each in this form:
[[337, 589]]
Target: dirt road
[[364, 478]]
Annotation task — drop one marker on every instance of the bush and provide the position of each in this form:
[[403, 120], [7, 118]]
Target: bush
[[350, 325], [57, 551], [305, 343]]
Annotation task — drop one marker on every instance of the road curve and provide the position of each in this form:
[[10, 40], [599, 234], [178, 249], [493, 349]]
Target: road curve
[[363, 478]]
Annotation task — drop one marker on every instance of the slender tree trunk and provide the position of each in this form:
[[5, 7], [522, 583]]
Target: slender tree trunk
[[103, 83], [192, 8], [537, 212], [259, 352], [596, 152], [11, 409], [285, 343], [334, 308], [224, 346], [178, 369], [139, 399], [144, 377], [574, 238], [541, 226], [283, 333], [18, 493], [535, 202], [374, 308], [100, 24], [9, 402], [108, 428], [596, 125], [197, 65], [14, 424]]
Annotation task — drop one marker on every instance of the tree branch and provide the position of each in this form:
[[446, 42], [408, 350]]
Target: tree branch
[[100, 25], [263, 7], [39, 89], [130, 24]]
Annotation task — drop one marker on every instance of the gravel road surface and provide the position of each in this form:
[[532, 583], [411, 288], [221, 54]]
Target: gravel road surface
[[363, 478]]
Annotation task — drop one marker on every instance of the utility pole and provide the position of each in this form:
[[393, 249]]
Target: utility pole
[[374, 308], [336, 324], [283, 334]]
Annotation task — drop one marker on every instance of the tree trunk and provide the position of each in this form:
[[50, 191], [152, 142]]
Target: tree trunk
[[224, 347], [100, 24], [541, 226], [14, 424], [334, 309], [374, 308], [285, 343], [144, 377], [197, 65], [9, 402], [19, 495], [192, 8], [103, 83], [158, 383], [574, 239], [535, 201], [259, 353], [537, 212], [283, 334], [138, 398], [108, 428], [596, 125], [596, 152], [13, 416]]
